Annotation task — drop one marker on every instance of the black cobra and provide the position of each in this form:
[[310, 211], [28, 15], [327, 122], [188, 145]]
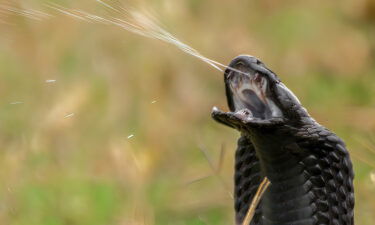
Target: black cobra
[[308, 166]]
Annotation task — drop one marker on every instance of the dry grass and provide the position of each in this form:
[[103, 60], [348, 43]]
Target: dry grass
[[255, 201]]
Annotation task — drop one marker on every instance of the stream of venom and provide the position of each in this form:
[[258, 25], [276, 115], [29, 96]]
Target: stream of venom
[[131, 20]]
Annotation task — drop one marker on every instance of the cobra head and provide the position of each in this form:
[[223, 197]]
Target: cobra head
[[256, 97]]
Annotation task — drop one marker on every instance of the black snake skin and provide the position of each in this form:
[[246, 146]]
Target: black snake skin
[[308, 166]]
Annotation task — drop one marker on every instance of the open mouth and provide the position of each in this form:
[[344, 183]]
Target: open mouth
[[248, 89]]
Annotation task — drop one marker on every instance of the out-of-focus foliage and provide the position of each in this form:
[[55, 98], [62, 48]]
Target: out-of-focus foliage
[[65, 155]]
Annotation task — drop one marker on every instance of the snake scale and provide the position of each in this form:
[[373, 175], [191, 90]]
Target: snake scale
[[308, 166]]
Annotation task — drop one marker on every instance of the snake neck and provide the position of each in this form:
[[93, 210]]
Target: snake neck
[[288, 198], [311, 179]]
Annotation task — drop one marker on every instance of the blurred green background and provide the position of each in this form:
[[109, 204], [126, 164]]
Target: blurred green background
[[67, 154]]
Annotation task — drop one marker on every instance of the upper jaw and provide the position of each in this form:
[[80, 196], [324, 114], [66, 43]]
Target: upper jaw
[[250, 97], [247, 88]]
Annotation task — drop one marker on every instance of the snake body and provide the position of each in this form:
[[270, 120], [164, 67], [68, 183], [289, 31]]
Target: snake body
[[308, 166]]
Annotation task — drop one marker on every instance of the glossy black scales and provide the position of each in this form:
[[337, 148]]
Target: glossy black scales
[[308, 166]]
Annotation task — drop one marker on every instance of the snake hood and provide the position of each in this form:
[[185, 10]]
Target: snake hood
[[308, 166]]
